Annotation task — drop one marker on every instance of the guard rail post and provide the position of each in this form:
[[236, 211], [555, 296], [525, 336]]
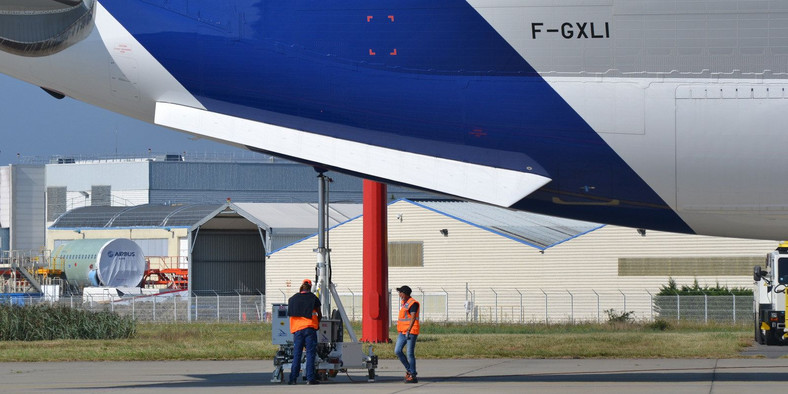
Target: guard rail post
[[217, 305], [423, 311], [446, 293], [705, 307], [496, 305], [734, 307], [239, 305], [263, 301], [521, 304]]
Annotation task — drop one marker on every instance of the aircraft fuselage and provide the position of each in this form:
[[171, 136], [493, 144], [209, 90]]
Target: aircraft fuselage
[[652, 114]]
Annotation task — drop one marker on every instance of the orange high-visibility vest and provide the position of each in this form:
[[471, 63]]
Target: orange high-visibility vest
[[403, 322], [298, 323]]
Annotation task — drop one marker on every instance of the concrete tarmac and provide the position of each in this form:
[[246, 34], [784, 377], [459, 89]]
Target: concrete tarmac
[[435, 376]]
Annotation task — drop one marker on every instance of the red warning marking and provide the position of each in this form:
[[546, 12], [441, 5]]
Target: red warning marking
[[122, 48], [369, 18], [371, 53], [393, 53], [478, 133], [391, 17]]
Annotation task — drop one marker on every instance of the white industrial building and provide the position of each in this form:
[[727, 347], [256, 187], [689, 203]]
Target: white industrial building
[[463, 260], [471, 261], [33, 196]]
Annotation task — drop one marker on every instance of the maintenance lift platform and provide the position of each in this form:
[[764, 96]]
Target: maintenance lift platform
[[334, 355]]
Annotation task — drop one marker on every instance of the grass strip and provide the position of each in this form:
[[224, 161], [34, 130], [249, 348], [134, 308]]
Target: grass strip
[[251, 341]]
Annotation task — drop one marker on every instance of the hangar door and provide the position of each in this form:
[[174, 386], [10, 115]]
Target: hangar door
[[228, 262]]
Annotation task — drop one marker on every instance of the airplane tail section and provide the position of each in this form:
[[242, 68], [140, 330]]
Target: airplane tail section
[[498, 186]]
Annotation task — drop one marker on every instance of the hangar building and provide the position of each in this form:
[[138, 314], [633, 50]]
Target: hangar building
[[223, 245], [473, 261]]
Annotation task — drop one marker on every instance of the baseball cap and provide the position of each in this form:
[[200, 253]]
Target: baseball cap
[[307, 281], [404, 289]]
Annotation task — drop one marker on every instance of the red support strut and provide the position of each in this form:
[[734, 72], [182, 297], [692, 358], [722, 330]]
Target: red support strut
[[375, 307]]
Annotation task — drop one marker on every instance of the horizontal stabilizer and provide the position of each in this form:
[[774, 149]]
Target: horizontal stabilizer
[[492, 185]]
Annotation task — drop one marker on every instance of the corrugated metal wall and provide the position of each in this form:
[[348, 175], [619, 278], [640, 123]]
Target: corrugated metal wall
[[129, 197], [56, 202], [228, 262], [153, 246], [82, 176], [174, 196], [28, 214], [490, 264], [101, 195], [184, 182], [4, 239], [5, 196], [123, 183]]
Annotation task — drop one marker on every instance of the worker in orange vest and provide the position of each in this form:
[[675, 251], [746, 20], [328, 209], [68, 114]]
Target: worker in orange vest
[[304, 311], [408, 329]]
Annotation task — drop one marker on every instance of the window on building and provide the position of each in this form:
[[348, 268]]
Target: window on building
[[687, 266], [406, 254]]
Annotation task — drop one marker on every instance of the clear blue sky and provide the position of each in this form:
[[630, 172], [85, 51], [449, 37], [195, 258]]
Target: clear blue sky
[[33, 123]]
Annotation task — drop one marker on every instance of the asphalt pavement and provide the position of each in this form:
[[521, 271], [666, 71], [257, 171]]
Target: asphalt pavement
[[435, 376]]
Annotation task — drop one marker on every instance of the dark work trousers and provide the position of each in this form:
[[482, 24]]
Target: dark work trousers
[[308, 337]]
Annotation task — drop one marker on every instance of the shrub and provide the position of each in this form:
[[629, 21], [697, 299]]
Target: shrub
[[44, 322], [670, 304], [659, 325], [696, 289], [622, 317]]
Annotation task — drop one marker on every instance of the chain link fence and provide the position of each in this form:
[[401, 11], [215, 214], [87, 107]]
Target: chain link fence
[[479, 305], [577, 306], [166, 308]]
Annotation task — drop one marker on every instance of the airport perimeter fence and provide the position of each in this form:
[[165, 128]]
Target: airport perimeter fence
[[590, 306], [497, 306], [176, 308]]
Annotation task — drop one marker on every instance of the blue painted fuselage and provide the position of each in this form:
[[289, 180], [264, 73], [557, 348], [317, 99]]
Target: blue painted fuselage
[[430, 78]]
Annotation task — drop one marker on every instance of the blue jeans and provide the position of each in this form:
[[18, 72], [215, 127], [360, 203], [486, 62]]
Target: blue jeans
[[306, 336], [410, 361]]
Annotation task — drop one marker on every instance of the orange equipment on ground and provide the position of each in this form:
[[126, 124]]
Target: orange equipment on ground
[[172, 278]]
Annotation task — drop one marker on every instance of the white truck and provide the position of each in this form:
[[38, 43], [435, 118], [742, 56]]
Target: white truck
[[770, 298]]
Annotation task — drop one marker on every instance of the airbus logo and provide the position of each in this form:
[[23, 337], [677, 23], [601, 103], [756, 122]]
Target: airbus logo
[[120, 254], [570, 30]]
